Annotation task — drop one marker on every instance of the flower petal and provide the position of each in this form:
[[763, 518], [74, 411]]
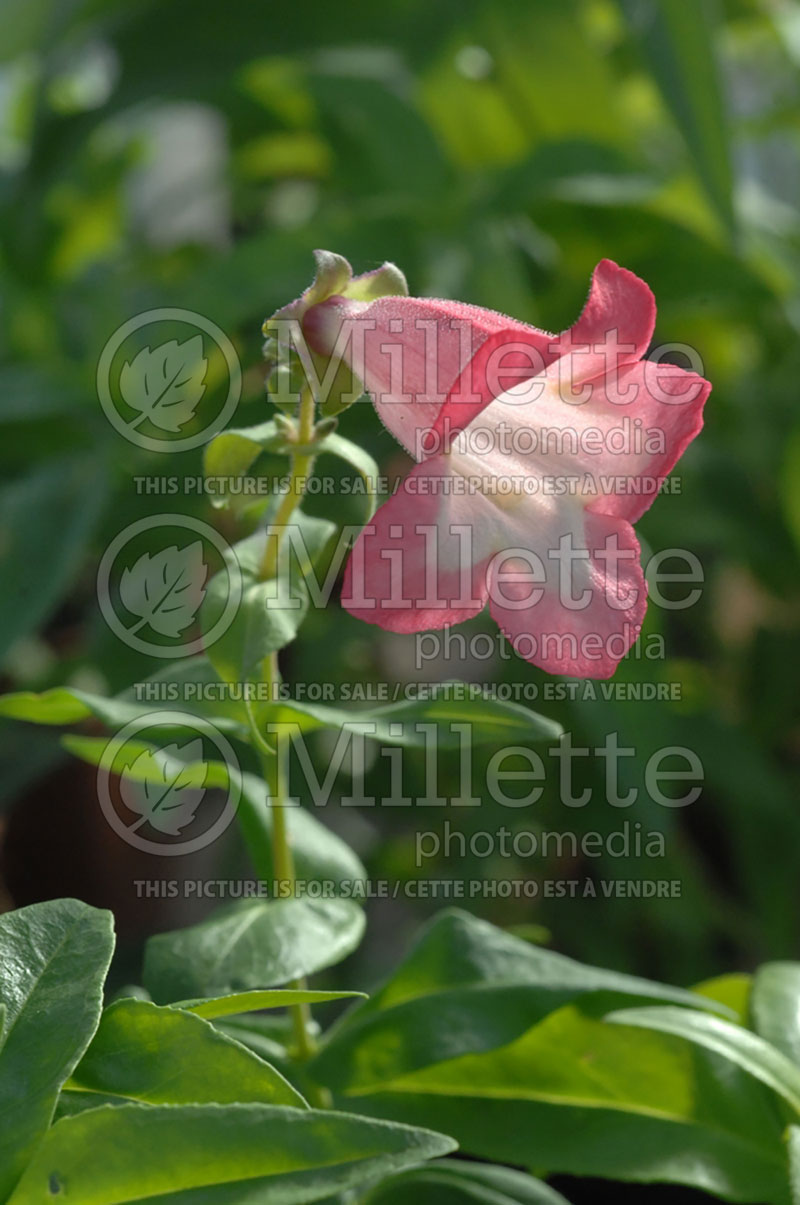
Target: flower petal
[[613, 446], [614, 329], [408, 352], [421, 563], [618, 301], [571, 599]]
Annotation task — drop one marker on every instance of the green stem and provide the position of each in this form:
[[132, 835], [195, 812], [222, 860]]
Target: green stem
[[299, 470], [274, 761]]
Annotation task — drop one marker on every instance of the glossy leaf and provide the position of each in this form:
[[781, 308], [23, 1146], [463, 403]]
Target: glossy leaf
[[775, 1006], [734, 992], [447, 705], [54, 958], [166, 1056], [210, 1154], [465, 987], [451, 1182], [579, 1096], [741, 1047], [251, 945]]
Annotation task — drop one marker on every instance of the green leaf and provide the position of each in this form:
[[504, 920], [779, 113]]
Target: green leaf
[[793, 1143], [270, 612], [251, 944], [451, 703], [319, 855], [359, 459], [466, 986], [269, 616], [678, 43], [732, 991], [182, 768], [451, 1182], [164, 1056], [54, 958], [34, 568], [775, 1006], [170, 1154], [579, 1096], [748, 1051], [244, 1002], [191, 685], [233, 452]]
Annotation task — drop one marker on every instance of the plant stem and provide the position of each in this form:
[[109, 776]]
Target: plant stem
[[275, 761], [300, 470]]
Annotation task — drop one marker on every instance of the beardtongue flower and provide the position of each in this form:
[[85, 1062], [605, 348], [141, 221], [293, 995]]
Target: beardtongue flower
[[536, 453]]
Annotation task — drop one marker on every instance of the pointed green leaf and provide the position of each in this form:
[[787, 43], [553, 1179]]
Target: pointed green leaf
[[54, 958], [449, 704], [466, 986], [164, 1056], [244, 1002], [216, 1155], [579, 1096], [251, 945], [190, 685]]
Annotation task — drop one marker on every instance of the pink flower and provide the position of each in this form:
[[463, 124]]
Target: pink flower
[[536, 454]]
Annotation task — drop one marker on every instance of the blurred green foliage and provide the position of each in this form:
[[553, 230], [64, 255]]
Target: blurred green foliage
[[191, 154]]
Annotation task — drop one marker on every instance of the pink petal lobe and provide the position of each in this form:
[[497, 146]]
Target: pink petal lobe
[[618, 301], [584, 609], [648, 417], [614, 329], [421, 562]]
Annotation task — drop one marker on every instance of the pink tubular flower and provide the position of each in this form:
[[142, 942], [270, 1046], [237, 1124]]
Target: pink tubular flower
[[535, 452]]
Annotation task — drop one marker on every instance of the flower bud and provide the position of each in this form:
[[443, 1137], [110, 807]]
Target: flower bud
[[332, 381]]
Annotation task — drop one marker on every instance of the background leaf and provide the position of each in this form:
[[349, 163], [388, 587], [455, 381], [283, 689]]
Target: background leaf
[[678, 44]]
